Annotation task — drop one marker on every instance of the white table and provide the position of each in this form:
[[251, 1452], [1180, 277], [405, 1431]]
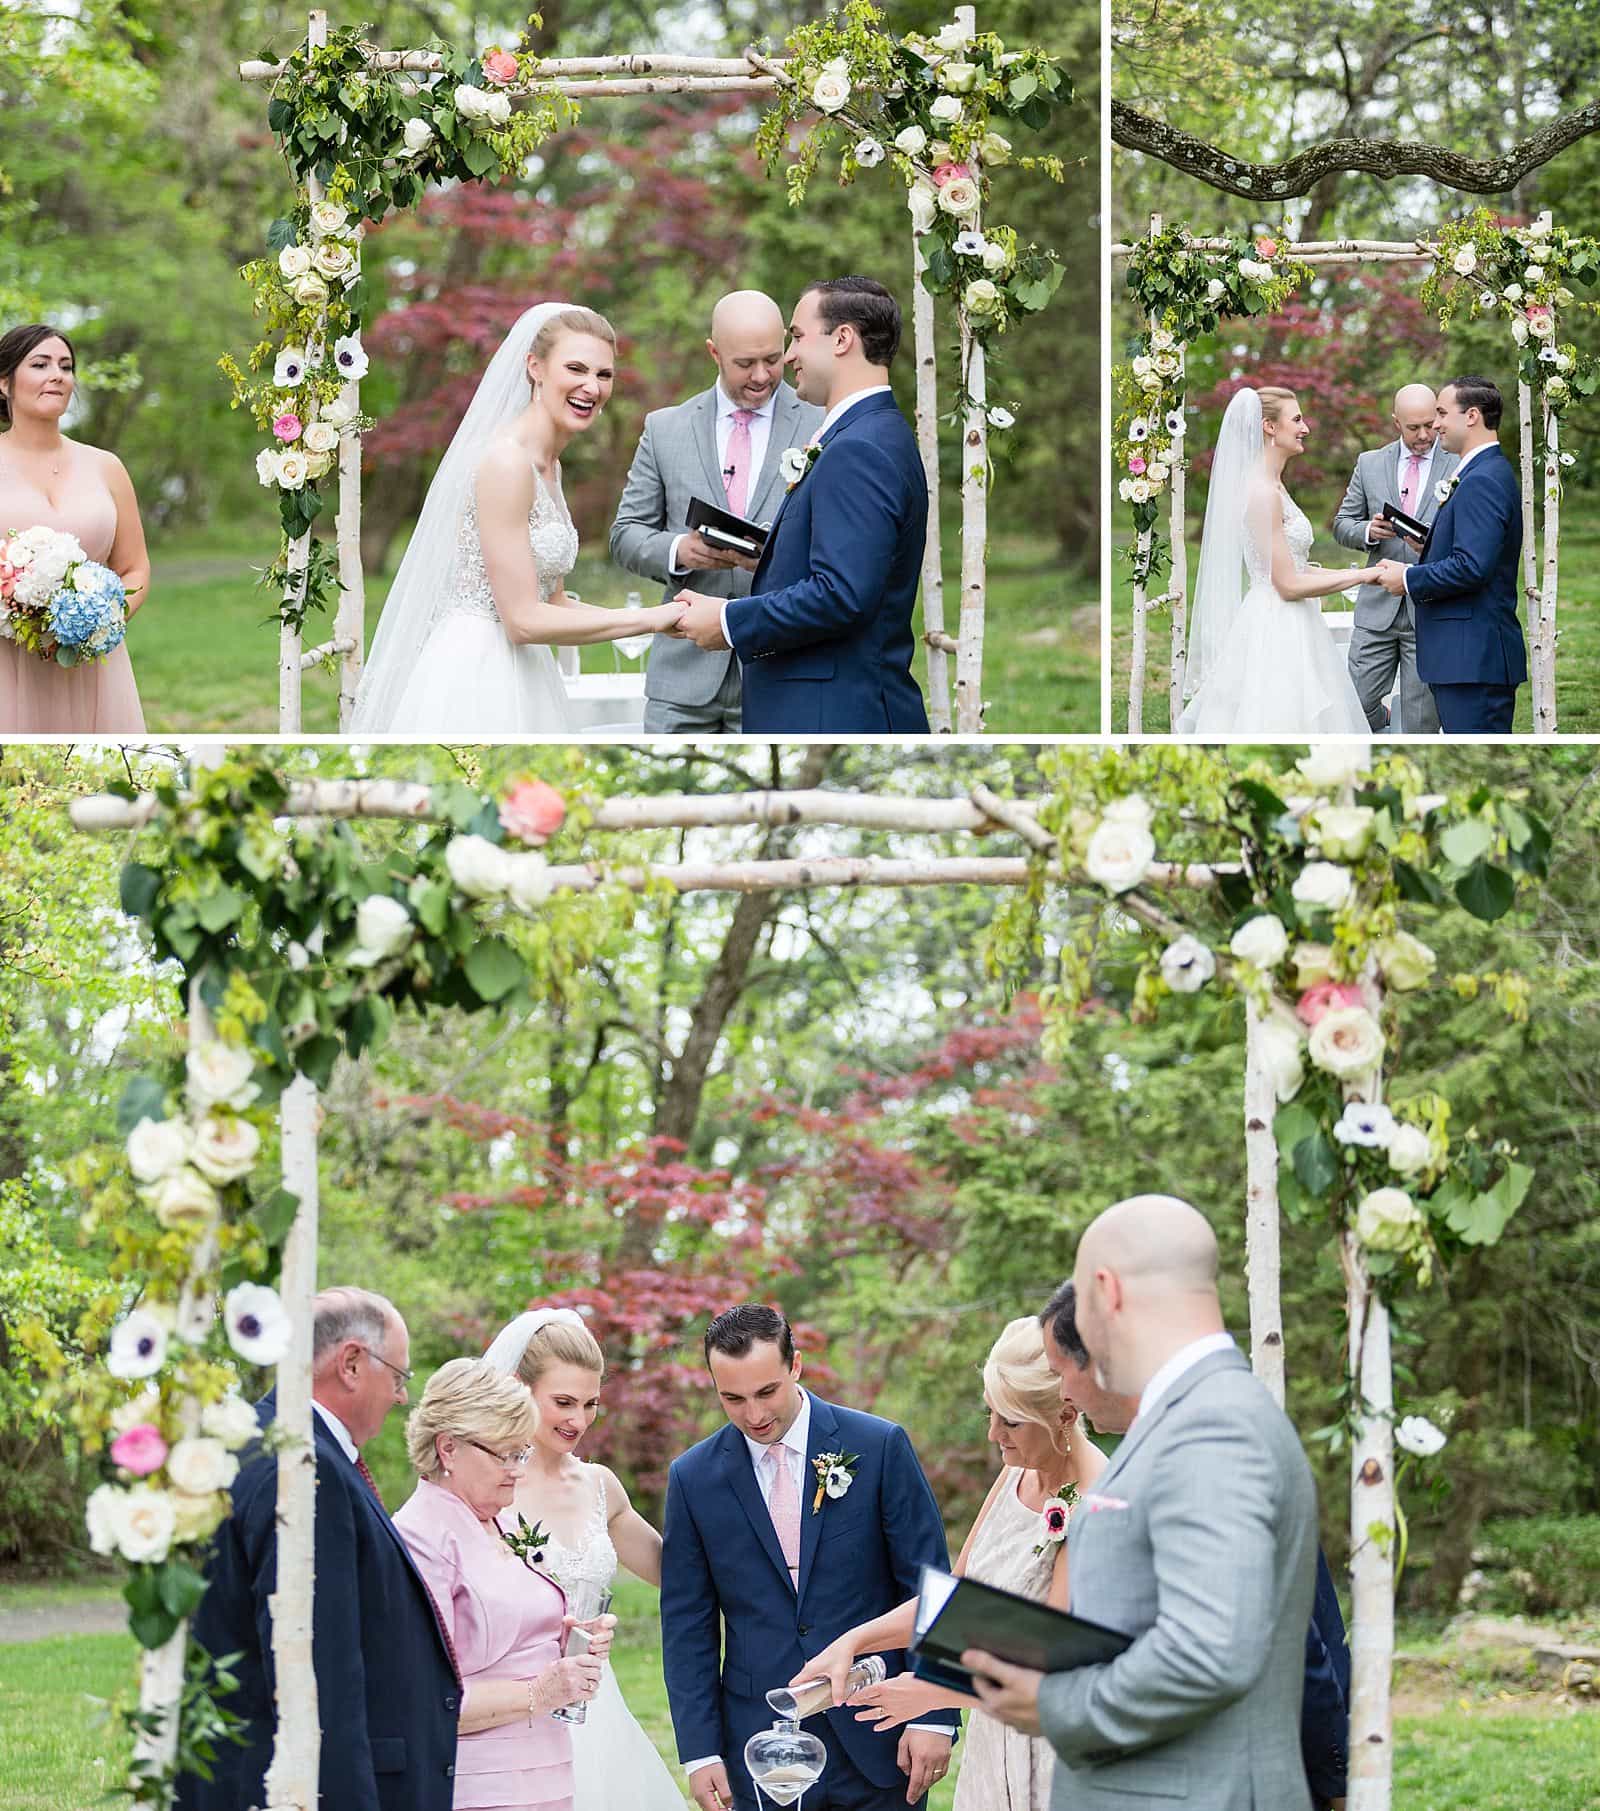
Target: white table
[[612, 701], [1341, 625]]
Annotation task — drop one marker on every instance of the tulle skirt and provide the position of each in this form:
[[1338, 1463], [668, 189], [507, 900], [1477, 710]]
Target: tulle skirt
[[1280, 673], [615, 1766], [472, 683], [39, 698]]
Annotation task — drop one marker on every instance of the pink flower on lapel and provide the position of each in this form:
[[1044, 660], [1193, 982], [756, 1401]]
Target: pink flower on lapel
[[1095, 1502]]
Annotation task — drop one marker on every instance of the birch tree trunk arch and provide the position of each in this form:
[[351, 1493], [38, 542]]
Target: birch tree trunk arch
[[1076, 842]]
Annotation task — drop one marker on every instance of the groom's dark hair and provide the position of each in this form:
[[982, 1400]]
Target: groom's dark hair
[[736, 1330], [1060, 1315], [868, 307], [1481, 394]]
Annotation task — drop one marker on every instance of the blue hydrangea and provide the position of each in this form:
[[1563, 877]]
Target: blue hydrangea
[[88, 617]]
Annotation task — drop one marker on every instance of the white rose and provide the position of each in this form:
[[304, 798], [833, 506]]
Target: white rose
[[224, 1147], [1119, 855], [980, 297], [1370, 1125], [100, 1518], [293, 470], [1162, 340], [1261, 941], [1125, 490], [1187, 965], [200, 1465], [1141, 364], [869, 154], [184, 1198], [196, 1518], [946, 109], [141, 1522], [339, 413], [477, 104], [309, 289], [1150, 381], [939, 152], [1279, 1047], [528, 880], [477, 866], [1410, 1150], [328, 217], [320, 437], [1313, 964], [830, 91], [1343, 832], [1216, 289], [1139, 490], [335, 261], [923, 201], [1519, 331], [1158, 472], [913, 141], [959, 197], [952, 37], [1512, 292], [146, 1406], [232, 1421], [1406, 961], [218, 1073], [1541, 326], [138, 1346], [1346, 1042], [383, 927], [1324, 886], [418, 136], [958, 78], [1387, 1219], [1535, 273], [995, 256], [1418, 1436], [258, 1328], [267, 466], [1465, 262], [294, 261], [994, 149], [1334, 764], [157, 1147]]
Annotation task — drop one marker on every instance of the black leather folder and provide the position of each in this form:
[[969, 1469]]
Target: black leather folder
[[1018, 1629], [1410, 528], [722, 528]]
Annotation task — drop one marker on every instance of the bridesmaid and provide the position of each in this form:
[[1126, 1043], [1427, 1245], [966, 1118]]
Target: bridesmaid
[[468, 1440], [48, 480], [1046, 1455]]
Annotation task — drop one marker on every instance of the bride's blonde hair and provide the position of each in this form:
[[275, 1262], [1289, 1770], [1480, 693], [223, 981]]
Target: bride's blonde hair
[[1274, 400], [573, 320], [559, 1342]]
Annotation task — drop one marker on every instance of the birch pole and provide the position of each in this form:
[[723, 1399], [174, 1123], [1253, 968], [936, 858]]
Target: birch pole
[[350, 620], [1541, 603], [291, 1781], [928, 445], [1136, 664], [1544, 636], [1263, 1265], [1178, 581]]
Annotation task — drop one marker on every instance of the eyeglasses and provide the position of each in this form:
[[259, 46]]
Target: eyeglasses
[[510, 1461], [404, 1375]]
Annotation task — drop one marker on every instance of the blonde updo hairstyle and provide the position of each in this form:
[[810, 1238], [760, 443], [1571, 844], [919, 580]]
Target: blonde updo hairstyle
[[570, 320], [1274, 400], [559, 1343], [1019, 1383], [473, 1401]]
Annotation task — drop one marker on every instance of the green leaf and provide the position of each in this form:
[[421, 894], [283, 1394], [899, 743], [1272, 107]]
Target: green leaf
[[1463, 843], [430, 900], [181, 1587], [1023, 87], [275, 1216], [480, 157], [1480, 1219], [153, 1628], [220, 909], [1292, 1123], [1316, 1168], [493, 968], [1417, 885], [460, 804], [1262, 801], [280, 233], [138, 888], [315, 1058], [143, 1098], [1486, 891], [1035, 294]]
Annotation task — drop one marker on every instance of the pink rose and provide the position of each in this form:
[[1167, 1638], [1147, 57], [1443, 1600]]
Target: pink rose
[[1324, 997], [532, 812], [500, 67], [1135, 463], [140, 1450], [287, 427], [1267, 248], [948, 172]]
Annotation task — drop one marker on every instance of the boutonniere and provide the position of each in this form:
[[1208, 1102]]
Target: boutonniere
[[1444, 487], [836, 1472], [528, 1540], [796, 461], [1054, 1516]]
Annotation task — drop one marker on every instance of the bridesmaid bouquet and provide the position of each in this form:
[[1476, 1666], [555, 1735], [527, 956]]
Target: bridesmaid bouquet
[[55, 601]]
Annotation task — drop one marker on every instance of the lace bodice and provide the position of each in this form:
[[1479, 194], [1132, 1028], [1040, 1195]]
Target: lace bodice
[[551, 535], [594, 1562], [1297, 532]]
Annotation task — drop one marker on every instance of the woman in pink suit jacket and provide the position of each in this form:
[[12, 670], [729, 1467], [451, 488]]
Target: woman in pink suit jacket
[[468, 1439]]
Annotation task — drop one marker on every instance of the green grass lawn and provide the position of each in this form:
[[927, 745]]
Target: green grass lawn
[[1482, 1749], [1577, 630], [206, 648]]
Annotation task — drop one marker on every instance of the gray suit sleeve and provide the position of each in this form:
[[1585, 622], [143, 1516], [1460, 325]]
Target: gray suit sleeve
[[640, 540], [1350, 525], [1213, 1495]]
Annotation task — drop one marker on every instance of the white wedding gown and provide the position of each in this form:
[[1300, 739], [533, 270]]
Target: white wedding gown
[[471, 680], [1280, 670], [615, 1764]]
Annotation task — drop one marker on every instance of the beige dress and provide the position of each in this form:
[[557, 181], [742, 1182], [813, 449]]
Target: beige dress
[[1001, 1769], [37, 697]]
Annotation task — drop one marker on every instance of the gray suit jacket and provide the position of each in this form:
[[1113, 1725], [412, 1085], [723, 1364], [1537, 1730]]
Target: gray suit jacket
[[677, 460], [1374, 482], [1200, 1541]]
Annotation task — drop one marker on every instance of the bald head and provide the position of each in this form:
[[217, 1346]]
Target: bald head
[[747, 344], [1156, 1241], [1415, 416]]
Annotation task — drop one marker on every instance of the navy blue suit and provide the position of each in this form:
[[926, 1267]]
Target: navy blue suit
[[1325, 1708], [1469, 642], [860, 1555], [387, 1694], [825, 638]]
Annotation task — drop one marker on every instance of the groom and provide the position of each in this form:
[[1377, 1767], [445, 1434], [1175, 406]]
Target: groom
[[1469, 642], [761, 1567], [825, 638]]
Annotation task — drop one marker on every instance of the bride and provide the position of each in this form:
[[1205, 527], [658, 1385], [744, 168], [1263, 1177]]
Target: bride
[[463, 646], [592, 1527], [1261, 659]]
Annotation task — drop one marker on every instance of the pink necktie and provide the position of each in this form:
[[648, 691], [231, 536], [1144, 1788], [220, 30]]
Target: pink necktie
[[784, 1505], [736, 474], [1408, 490]]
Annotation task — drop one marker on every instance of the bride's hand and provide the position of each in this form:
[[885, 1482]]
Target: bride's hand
[[835, 1661], [662, 619], [892, 1703]]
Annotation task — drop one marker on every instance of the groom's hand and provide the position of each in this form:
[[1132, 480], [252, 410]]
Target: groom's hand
[[701, 621], [710, 1788], [1008, 1692], [924, 1755], [1392, 576]]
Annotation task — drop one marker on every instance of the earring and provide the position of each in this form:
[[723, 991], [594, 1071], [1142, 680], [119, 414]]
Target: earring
[[448, 1473]]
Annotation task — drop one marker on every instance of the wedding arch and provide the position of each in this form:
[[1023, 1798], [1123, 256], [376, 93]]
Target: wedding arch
[[298, 944], [1185, 286], [364, 130]]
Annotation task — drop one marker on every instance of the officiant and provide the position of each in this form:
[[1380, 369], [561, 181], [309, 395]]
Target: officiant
[[724, 448]]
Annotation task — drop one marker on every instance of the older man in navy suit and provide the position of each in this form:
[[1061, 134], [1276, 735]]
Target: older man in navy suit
[[825, 639], [388, 1696], [1469, 642]]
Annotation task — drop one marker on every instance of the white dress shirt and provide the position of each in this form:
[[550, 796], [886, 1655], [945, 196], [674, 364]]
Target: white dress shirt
[[1184, 1359], [1455, 478], [760, 434], [1424, 472], [828, 420], [338, 1429]]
